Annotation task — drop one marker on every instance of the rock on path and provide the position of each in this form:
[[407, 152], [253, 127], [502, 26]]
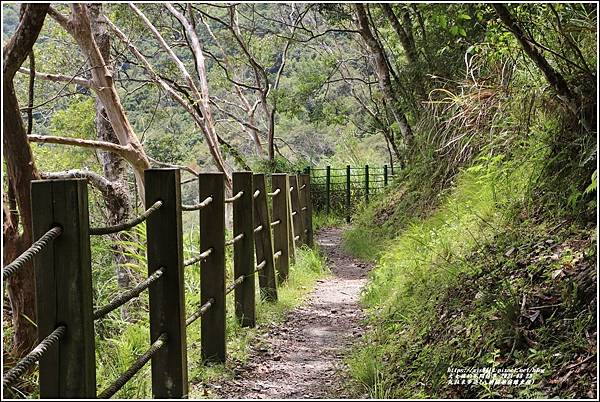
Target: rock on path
[[302, 357]]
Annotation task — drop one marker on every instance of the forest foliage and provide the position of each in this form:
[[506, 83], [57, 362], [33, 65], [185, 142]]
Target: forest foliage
[[487, 113]]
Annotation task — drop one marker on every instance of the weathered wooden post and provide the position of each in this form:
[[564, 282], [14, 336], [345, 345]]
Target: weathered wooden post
[[385, 175], [262, 240], [306, 207], [281, 195], [63, 276], [366, 183], [327, 189], [243, 250], [212, 268], [296, 212], [348, 194], [167, 295]]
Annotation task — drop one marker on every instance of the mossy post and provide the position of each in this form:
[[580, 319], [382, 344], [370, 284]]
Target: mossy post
[[212, 268], [243, 250], [296, 212], [281, 195], [167, 295], [63, 275], [262, 240], [306, 207]]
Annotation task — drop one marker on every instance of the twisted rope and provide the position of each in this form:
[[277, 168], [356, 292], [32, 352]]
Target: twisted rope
[[234, 240], [274, 193], [135, 367], [196, 207], [234, 284], [28, 254], [203, 309], [129, 224], [128, 295], [235, 197], [261, 265], [200, 257], [25, 363]]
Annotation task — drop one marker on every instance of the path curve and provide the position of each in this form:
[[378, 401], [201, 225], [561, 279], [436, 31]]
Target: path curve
[[302, 357]]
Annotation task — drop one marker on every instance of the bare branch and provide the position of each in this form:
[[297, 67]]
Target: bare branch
[[84, 82], [123, 150]]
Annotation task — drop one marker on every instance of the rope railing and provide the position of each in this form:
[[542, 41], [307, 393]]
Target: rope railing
[[32, 357], [199, 258], [235, 197], [203, 309], [275, 223], [134, 368], [261, 265], [129, 224], [274, 193], [28, 254], [128, 295], [234, 240], [234, 284], [196, 207]]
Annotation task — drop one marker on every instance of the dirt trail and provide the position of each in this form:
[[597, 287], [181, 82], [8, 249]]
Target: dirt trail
[[303, 356]]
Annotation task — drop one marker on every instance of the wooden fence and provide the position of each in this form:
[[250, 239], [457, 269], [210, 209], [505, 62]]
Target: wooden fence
[[341, 191], [62, 261]]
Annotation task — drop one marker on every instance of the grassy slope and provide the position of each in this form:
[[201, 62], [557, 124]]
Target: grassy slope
[[472, 278]]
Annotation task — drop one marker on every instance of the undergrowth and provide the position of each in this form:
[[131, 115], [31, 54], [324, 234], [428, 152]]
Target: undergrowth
[[495, 269]]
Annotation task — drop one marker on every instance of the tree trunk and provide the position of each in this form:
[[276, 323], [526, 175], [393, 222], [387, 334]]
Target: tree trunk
[[554, 78], [80, 28], [383, 73], [114, 167], [404, 32], [21, 170]]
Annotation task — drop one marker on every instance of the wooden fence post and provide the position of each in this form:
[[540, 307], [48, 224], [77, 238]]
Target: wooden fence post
[[212, 268], [296, 212], [366, 183], [385, 175], [290, 223], [327, 189], [167, 295], [63, 277], [262, 240], [348, 212], [280, 183], [243, 250], [306, 207]]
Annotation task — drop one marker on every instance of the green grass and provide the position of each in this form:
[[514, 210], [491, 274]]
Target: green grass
[[446, 291]]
